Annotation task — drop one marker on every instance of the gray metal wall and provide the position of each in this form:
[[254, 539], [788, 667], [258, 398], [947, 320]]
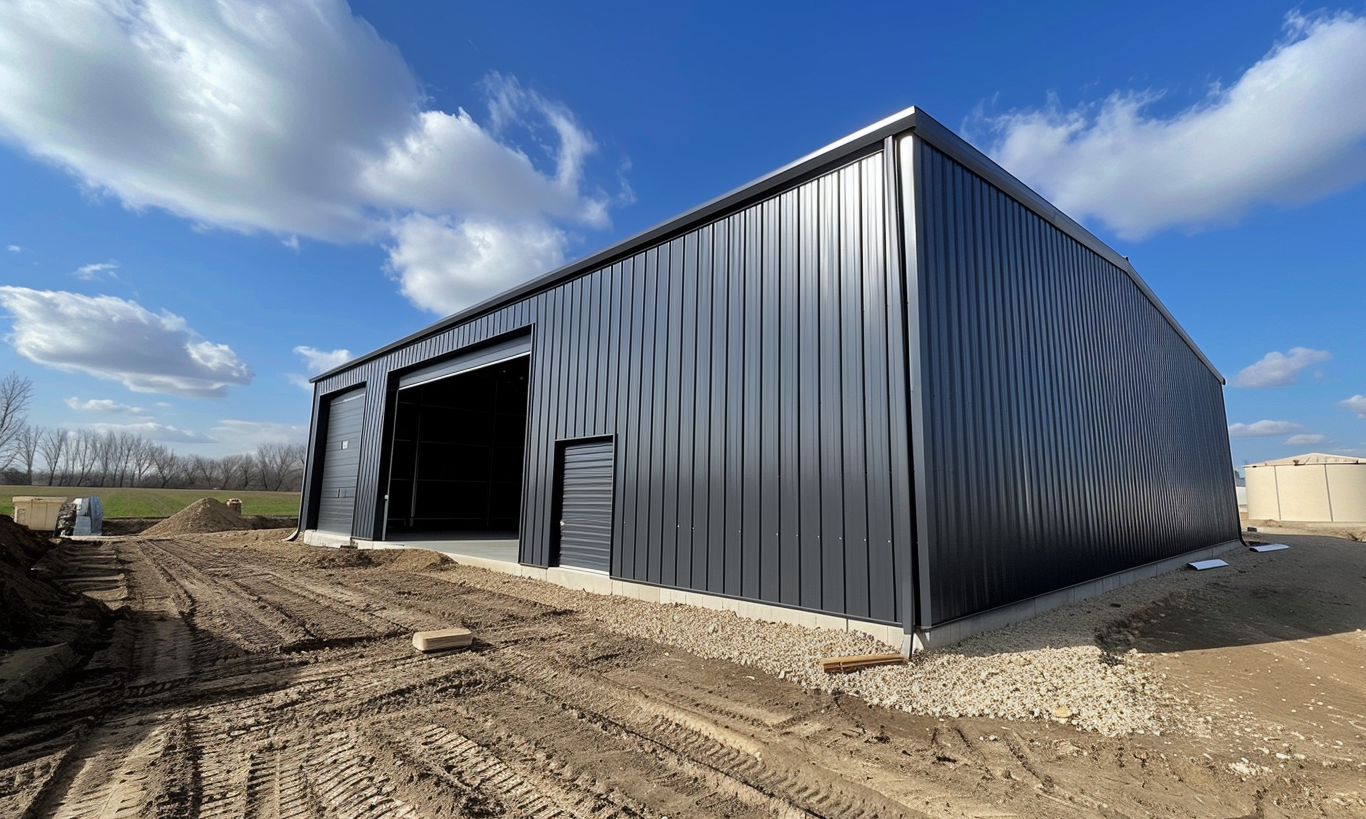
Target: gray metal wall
[[751, 371], [769, 378], [1065, 430]]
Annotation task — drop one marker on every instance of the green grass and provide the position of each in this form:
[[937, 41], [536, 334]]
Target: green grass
[[154, 503]]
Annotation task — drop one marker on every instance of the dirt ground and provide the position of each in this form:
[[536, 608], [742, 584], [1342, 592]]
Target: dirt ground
[[248, 677]]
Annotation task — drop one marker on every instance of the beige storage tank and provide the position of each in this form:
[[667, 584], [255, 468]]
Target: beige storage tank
[[1315, 488], [38, 514]]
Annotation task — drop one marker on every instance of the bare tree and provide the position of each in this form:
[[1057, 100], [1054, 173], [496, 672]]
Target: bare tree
[[205, 473], [237, 471], [273, 465], [52, 447], [141, 455], [15, 392], [169, 467], [82, 457], [26, 450]]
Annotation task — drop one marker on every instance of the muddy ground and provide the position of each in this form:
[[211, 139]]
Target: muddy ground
[[248, 677]]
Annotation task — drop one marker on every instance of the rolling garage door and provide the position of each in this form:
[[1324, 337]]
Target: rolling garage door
[[586, 506], [341, 463]]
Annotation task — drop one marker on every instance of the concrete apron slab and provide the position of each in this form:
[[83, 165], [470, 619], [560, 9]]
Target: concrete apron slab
[[498, 556]]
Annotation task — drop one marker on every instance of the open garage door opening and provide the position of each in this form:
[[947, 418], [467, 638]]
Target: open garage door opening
[[459, 442]]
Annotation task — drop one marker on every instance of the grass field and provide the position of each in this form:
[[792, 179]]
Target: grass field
[[154, 503]]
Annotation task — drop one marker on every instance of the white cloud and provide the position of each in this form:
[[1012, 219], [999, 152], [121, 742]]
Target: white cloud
[[246, 436], [14, 248], [157, 432], [1277, 369], [118, 340], [1305, 440], [296, 119], [102, 405], [90, 272], [445, 264], [1262, 429], [320, 361], [1357, 404], [317, 361], [1290, 129]]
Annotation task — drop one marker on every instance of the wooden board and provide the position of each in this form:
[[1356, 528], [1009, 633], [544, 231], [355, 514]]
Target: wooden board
[[854, 662], [442, 639]]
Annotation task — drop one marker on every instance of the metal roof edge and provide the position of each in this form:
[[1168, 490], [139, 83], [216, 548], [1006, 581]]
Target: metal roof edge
[[935, 133], [899, 122], [911, 119]]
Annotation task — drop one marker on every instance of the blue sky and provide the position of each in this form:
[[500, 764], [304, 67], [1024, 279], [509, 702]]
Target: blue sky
[[202, 204]]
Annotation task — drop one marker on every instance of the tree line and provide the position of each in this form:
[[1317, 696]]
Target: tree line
[[54, 456]]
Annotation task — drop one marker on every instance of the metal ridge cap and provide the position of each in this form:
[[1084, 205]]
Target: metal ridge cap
[[899, 122], [960, 150]]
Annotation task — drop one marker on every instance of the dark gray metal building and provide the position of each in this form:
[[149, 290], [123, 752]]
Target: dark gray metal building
[[886, 382]]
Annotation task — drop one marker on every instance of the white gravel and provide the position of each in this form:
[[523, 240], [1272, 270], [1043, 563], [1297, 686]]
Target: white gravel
[[1047, 668]]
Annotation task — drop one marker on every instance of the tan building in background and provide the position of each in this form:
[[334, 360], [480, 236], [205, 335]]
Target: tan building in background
[[1313, 487]]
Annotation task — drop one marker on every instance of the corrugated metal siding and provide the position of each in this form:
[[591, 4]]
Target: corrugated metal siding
[[752, 439], [1069, 431], [586, 506]]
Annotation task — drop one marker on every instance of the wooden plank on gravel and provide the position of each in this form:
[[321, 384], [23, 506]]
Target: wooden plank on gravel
[[854, 662], [442, 639]]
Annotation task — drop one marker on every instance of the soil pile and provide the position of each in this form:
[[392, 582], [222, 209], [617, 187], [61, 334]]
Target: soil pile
[[204, 515], [33, 612]]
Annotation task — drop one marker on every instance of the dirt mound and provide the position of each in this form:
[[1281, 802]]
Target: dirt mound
[[204, 515], [33, 612]]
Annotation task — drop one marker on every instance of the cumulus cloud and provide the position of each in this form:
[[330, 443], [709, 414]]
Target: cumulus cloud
[[1261, 429], [1277, 369], [1357, 404], [316, 361], [102, 405], [320, 361], [153, 431], [445, 264], [1305, 440], [119, 340], [296, 119], [1291, 129]]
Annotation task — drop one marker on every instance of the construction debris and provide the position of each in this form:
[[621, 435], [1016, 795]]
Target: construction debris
[[855, 662], [1201, 565]]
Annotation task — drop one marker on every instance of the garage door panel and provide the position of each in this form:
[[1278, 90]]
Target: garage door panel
[[586, 506], [341, 463]]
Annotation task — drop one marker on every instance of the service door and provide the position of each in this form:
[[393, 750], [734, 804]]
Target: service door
[[586, 506], [341, 463]]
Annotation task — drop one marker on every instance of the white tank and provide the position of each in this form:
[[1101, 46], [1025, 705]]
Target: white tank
[[1313, 488]]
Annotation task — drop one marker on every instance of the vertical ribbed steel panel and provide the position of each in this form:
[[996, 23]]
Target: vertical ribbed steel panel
[[743, 368], [1069, 430]]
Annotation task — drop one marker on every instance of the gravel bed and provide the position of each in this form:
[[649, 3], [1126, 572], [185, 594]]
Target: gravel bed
[[1052, 667]]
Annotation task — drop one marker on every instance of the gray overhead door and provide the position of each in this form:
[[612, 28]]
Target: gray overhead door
[[341, 463], [586, 506]]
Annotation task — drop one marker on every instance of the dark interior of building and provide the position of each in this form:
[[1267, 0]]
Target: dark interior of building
[[456, 467]]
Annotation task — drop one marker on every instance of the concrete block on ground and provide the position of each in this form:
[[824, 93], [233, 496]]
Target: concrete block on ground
[[442, 639]]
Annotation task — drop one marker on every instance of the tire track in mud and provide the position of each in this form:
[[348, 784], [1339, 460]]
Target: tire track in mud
[[252, 685]]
